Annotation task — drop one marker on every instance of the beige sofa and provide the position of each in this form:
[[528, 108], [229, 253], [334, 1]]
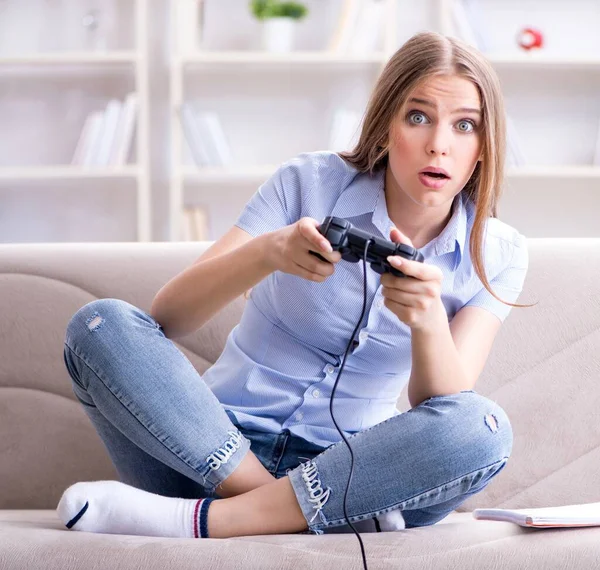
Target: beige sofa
[[544, 370]]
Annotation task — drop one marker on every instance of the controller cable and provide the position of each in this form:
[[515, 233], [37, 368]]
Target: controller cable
[[362, 547]]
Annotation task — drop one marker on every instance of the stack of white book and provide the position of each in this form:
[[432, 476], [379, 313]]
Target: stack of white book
[[205, 137], [195, 224], [359, 27], [106, 136], [469, 25]]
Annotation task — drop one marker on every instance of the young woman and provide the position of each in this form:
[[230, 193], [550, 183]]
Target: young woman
[[250, 446]]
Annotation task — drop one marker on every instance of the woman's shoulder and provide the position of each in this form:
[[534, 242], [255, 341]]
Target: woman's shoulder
[[503, 244], [505, 233], [506, 244], [497, 232]]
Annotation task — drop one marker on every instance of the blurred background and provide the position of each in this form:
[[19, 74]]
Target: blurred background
[[156, 120]]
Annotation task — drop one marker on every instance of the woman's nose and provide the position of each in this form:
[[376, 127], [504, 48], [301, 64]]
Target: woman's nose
[[439, 142]]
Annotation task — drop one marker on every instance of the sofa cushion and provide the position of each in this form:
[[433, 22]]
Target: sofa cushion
[[36, 539]]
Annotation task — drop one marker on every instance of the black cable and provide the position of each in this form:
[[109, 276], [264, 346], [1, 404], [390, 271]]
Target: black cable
[[362, 547]]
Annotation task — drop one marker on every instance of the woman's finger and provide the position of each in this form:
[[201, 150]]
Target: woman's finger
[[398, 237]]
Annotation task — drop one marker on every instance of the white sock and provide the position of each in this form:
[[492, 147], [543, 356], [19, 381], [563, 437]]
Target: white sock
[[113, 507], [386, 522], [393, 520]]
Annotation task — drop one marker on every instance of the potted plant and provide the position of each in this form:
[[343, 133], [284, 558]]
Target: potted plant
[[279, 20]]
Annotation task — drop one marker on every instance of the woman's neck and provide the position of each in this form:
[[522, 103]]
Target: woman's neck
[[420, 224]]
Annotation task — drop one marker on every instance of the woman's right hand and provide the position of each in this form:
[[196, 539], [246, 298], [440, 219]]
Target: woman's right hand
[[288, 251]]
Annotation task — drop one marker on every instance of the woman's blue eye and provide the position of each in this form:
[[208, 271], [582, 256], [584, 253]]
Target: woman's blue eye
[[468, 123], [417, 118]]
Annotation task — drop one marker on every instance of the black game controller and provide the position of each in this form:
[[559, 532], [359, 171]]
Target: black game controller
[[351, 242]]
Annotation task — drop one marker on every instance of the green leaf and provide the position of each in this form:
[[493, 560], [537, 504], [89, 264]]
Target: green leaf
[[263, 9]]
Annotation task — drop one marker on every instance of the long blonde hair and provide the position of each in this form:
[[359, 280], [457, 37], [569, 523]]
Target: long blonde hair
[[424, 55]]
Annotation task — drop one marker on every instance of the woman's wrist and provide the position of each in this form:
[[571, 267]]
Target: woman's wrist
[[269, 251]]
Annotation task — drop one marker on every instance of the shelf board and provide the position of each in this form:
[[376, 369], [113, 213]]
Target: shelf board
[[66, 172], [516, 172], [69, 58], [258, 174], [543, 60], [291, 58], [225, 175]]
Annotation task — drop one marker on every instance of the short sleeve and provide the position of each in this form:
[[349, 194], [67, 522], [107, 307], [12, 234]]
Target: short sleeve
[[278, 202], [507, 284]]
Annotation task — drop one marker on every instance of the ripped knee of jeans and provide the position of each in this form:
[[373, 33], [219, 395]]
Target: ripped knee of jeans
[[318, 496], [224, 453]]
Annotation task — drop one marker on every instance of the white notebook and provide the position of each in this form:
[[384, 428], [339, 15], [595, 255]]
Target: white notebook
[[587, 514]]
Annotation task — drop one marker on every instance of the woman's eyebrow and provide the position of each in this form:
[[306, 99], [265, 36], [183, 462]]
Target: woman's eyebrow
[[430, 104]]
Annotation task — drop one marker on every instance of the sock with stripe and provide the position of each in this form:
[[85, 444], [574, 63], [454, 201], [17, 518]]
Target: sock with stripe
[[113, 507]]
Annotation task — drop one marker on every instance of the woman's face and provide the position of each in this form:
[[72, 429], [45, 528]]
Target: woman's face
[[436, 128]]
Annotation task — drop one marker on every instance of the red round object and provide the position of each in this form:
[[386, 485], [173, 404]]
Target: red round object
[[530, 38]]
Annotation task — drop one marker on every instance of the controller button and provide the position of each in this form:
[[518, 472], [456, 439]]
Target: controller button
[[404, 248], [334, 237]]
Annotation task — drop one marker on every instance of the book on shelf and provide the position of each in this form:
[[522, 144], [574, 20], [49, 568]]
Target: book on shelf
[[109, 130], [193, 136], [587, 514], [90, 132], [359, 27], [195, 224], [121, 146], [106, 136], [469, 24], [479, 25], [345, 129], [205, 136]]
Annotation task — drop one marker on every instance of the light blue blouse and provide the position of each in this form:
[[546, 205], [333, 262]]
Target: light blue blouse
[[279, 363]]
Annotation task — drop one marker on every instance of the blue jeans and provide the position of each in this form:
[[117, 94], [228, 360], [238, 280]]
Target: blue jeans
[[167, 433]]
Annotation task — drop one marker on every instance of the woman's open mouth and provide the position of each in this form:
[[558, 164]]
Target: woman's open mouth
[[435, 181]]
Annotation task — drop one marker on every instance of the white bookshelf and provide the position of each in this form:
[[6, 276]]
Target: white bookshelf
[[272, 107], [554, 172], [312, 58], [69, 173], [545, 61], [44, 197], [83, 58], [224, 190], [558, 136]]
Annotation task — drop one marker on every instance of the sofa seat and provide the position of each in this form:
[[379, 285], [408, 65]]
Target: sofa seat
[[38, 539]]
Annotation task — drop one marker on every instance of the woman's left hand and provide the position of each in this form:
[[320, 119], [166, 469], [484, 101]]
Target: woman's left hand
[[416, 298]]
